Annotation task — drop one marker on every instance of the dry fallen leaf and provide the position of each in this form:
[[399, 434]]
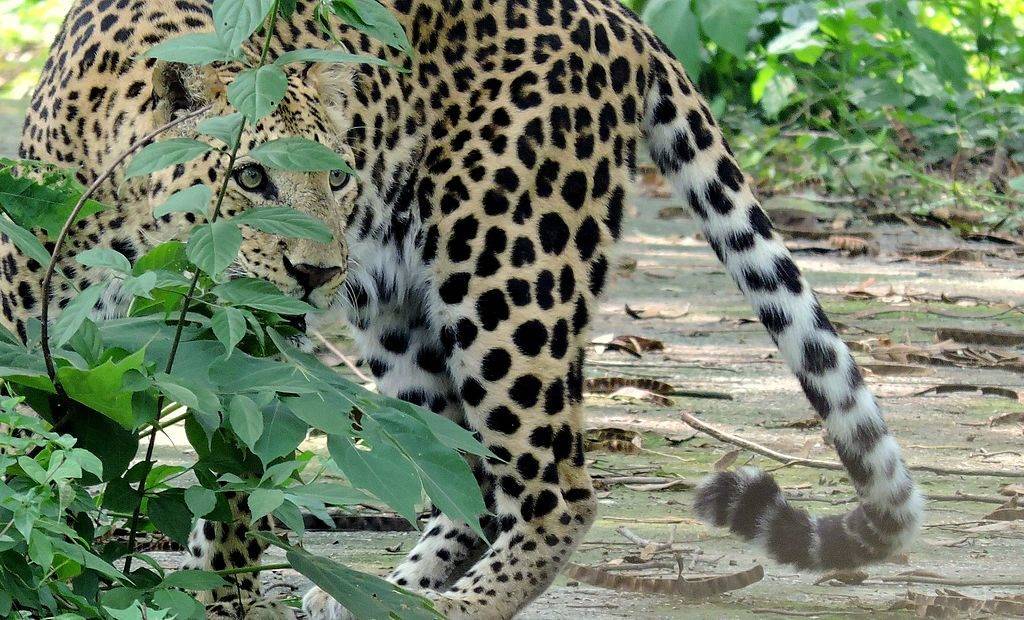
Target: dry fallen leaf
[[987, 390], [607, 385], [847, 577], [637, 394], [992, 337], [726, 460], [612, 439]]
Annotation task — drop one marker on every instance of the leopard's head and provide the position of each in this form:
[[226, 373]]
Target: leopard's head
[[312, 109]]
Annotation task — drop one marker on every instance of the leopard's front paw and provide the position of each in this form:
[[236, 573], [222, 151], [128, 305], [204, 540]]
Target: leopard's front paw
[[319, 605]]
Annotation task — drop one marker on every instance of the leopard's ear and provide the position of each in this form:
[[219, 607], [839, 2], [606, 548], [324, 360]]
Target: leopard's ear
[[332, 80], [178, 87]]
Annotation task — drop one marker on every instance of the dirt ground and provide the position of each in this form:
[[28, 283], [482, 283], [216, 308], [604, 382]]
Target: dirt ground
[[894, 307]]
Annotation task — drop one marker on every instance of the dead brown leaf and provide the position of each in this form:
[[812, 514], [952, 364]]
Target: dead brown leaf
[[612, 439], [637, 394], [1006, 514], [989, 337], [1013, 417], [673, 213], [854, 246], [948, 603], [848, 577], [642, 313], [1011, 489], [607, 385], [699, 586], [987, 390], [726, 460], [896, 370]]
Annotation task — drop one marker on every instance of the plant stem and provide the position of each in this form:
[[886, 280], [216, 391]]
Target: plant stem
[[179, 329], [186, 303], [62, 237]]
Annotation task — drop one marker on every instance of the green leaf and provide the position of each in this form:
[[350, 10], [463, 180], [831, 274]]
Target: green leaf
[[168, 256], [799, 42], [183, 606], [100, 388], [261, 295], [381, 470], [362, 595], [194, 48], [264, 501], [246, 420], [200, 500], [213, 247], [17, 361], [328, 492], [328, 56], [257, 92], [236, 20], [140, 286], [297, 154], [289, 514], [163, 154], [285, 221], [224, 128], [676, 25], [229, 327], [319, 412], [194, 579], [105, 258], [445, 430], [375, 20], [74, 314], [445, 475], [727, 22], [282, 434], [942, 55], [43, 206], [171, 515], [25, 241], [195, 199], [120, 495], [287, 8], [1017, 183]]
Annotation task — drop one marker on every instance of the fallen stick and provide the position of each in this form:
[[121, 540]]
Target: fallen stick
[[789, 459], [953, 582]]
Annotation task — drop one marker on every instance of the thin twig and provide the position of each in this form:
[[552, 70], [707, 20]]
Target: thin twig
[[93, 187], [789, 459], [1019, 582], [337, 353]]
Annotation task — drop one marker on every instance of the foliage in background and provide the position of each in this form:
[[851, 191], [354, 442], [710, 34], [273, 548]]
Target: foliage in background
[[27, 30], [203, 348], [888, 97]]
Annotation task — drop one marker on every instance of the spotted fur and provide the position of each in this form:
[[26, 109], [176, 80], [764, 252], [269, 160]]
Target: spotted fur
[[493, 178]]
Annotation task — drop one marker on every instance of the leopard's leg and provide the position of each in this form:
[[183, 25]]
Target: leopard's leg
[[218, 546], [528, 412], [394, 329]]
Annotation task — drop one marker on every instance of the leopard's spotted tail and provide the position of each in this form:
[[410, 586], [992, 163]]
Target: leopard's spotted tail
[[689, 149]]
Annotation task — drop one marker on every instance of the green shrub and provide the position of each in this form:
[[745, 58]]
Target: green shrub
[[207, 350]]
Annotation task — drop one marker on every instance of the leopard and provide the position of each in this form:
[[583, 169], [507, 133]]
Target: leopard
[[493, 162]]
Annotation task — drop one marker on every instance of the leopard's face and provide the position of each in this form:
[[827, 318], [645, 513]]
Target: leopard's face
[[307, 269]]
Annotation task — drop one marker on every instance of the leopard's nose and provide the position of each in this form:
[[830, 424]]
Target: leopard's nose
[[311, 277]]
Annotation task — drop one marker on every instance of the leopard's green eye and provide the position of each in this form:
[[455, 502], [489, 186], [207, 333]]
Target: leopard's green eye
[[251, 178], [339, 179]]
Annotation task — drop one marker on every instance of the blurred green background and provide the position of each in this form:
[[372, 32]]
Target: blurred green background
[[883, 104]]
